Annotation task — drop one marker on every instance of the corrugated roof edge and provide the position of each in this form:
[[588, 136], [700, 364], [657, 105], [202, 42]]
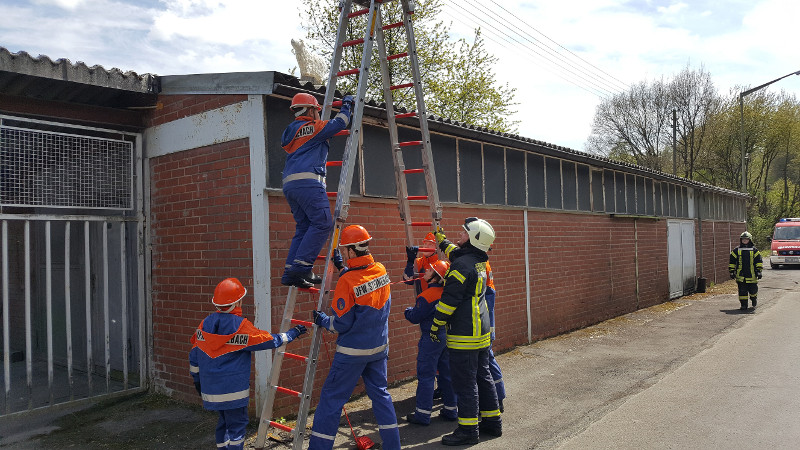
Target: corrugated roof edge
[[63, 69], [501, 138]]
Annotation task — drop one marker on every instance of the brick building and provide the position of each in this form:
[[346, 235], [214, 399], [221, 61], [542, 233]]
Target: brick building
[[580, 239]]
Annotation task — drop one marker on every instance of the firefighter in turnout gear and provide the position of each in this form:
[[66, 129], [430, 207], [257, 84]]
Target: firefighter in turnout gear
[[431, 356], [494, 368], [220, 360], [306, 144], [745, 266], [361, 304], [463, 311]]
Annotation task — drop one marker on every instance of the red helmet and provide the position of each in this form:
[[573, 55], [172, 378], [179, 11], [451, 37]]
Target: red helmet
[[228, 292], [303, 100], [355, 235], [430, 237], [440, 267]]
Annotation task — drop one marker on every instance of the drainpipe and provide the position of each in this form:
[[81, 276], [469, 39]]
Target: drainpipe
[[527, 276]]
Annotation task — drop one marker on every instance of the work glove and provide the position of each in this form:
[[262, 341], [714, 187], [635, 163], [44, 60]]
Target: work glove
[[758, 275], [348, 100], [296, 331], [197, 386], [319, 317], [338, 262], [439, 234], [411, 254]]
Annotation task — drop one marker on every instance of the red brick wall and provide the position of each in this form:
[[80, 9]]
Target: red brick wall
[[719, 238], [174, 107], [201, 234]]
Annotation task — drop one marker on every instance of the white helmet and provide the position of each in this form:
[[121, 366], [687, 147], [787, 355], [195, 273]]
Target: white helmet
[[481, 233]]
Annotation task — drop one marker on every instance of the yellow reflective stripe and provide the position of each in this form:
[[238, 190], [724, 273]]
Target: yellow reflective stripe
[[493, 413], [457, 275], [468, 342], [449, 249], [439, 323], [476, 307], [444, 308], [468, 421]]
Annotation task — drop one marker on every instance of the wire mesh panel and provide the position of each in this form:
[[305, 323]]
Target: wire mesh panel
[[42, 168]]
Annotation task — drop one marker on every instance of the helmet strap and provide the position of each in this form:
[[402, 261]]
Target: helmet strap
[[230, 308], [301, 112]]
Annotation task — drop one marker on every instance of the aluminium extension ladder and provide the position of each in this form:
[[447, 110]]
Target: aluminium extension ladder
[[374, 32]]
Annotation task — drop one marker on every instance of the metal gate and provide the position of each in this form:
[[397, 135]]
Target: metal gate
[[72, 271], [681, 257]]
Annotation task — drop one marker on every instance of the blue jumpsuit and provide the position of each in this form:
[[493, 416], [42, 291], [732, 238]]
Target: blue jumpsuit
[[306, 144], [431, 356], [361, 304], [494, 368], [220, 364]]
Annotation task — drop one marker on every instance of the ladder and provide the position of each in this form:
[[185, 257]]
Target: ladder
[[374, 33]]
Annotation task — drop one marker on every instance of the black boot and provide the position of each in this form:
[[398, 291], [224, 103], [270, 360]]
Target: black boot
[[412, 418], [462, 436], [296, 281], [313, 278], [492, 427], [744, 305], [755, 302]]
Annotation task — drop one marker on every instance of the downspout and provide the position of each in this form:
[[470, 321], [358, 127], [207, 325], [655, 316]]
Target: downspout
[[527, 277], [636, 257]]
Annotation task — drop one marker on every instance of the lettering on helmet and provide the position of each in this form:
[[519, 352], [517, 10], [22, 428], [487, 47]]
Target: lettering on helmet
[[199, 335], [239, 339], [307, 130], [371, 285]]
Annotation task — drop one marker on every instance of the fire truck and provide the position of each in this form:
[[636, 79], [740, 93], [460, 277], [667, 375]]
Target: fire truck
[[785, 243]]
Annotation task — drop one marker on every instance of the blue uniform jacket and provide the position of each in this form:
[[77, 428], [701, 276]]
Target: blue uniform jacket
[[361, 304], [220, 358], [422, 312], [306, 142]]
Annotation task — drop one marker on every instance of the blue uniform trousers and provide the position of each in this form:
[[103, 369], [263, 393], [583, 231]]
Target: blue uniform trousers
[[433, 356], [336, 391], [313, 223], [474, 387], [497, 376], [231, 428]]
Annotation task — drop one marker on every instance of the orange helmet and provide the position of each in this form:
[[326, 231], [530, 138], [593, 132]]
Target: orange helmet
[[440, 267], [355, 235], [228, 292], [430, 237], [303, 100]]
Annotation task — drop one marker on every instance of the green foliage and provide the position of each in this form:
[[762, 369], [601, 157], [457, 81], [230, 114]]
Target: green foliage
[[458, 79]]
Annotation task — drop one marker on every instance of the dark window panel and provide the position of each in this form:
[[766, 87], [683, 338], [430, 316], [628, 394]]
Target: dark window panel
[[471, 176], [553, 179], [535, 180], [444, 162], [619, 188], [641, 196], [495, 175], [597, 191], [515, 166], [648, 194], [570, 190], [608, 188], [630, 193], [584, 188]]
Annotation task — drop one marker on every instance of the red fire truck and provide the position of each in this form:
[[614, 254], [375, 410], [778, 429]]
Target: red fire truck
[[785, 243]]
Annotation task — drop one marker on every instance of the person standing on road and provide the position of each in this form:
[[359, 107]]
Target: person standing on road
[[463, 311], [431, 356], [745, 266], [220, 360], [305, 141], [361, 304]]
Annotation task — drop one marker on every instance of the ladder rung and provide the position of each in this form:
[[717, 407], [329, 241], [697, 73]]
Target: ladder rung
[[401, 86], [411, 114], [302, 322], [334, 163], [347, 72], [311, 289], [410, 143], [336, 104], [399, 55], [422, 249], [421, 224], [343, 133], [300, 357], [332, 194], [417, 197], [288, 391], [319, 257], [393, 25], [358, 13], [280, 426], [353, 42], [413, 170]]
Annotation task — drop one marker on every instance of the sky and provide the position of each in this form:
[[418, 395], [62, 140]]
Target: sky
[[562, 58]]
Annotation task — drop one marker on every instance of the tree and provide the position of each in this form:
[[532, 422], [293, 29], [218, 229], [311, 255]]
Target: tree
[[694, 98], [458, 79]]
